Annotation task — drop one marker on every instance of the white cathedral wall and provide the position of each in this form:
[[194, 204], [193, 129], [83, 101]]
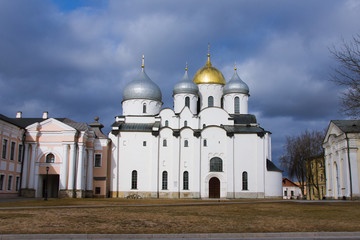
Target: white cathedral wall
[[191, 120], [179, 102], [210, 89], [229, 103], [214, 116], [168, 114], [135, 107]]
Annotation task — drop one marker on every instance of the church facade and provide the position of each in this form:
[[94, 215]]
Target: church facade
[[208, 146]]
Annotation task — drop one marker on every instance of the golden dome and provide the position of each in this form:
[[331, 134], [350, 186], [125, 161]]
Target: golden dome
[[209, 74]]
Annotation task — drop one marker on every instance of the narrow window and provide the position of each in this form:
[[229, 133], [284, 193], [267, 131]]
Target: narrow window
[[144, 143], [97, 162], [186, 143], [187, 102], [292, 193], [164, 180], [17, 183], [12, 150], [237, 105], [186, 180], [97, 190], [205, 143], [244, 181], [166, 123], [164, 143], [285, 193], [9, 183], [4, 147], [210, 101], [215, 164], [185, 123], [20, 151], [50, 158], [2, 182], [144, 108], [134, 179]]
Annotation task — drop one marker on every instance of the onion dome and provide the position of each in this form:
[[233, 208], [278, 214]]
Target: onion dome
[[236, 85], [142, 87], [209, 74], [186, 85]]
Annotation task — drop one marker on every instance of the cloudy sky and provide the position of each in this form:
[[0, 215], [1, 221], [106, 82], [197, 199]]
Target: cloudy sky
[[73, 58]]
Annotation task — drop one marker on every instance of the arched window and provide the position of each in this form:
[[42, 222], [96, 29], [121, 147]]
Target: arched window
[[144, 108], [134, 179], [166, 123], [216, 164], [50, 158], [164, 143], [244, 181], [186, 143], [187, 102], [164, 180], [210, 101], [237, 105], [186, 180], [185, 123]]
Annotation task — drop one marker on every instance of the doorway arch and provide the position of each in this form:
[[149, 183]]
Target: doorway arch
[[214, 188]]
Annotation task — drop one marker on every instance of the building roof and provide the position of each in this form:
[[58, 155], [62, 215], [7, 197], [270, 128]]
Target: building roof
[[243, 118], [288, 183], [270, 166], [348, 126], [236, 85]]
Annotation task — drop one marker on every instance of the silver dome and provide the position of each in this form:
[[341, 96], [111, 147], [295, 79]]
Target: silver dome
[[236, 85], [186, 86], [142, 88]]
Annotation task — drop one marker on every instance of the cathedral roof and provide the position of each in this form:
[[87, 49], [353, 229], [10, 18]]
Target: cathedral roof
[[209, 74], [236, 85], [142, 87], [348, 126], [186, 85]]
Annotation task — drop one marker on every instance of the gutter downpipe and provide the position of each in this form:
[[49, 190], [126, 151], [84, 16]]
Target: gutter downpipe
[[349, 162], [158, 168], [22, 161], [179, 184]]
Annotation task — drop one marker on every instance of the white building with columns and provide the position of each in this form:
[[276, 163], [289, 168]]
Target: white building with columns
[[342, 159], [208, 146]]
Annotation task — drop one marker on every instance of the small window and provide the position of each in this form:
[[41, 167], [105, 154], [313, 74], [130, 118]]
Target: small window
[[20, 153], [17, 183], [134, 179], [50, 158], [144, 108], [164, 143], [4, 148], [12, 150], [186, 180], [237, 105], [97, 162], [245, 181], [185, 123], [215, 164], [187, 102], [292, 193], [144, 143], [205, 143], [285, 193], [186, 143], [2, 177], [166, 123], [97, 190], [204, 125], [9, 187], [164, 180], [210, 101]]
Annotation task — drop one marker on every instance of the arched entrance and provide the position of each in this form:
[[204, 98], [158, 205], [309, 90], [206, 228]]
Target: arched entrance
[[214, 188]]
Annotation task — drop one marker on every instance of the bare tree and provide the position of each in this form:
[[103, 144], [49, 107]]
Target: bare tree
[[297, 150], [347, 74]]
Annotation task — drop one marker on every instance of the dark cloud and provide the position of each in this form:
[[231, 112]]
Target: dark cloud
[[73, 59]]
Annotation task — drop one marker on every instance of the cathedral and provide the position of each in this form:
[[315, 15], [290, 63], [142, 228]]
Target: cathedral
[[208, 146]]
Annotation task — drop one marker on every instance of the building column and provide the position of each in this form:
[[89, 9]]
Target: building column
[[32, 166], [80, 171], [24, 180], [64, 168], [90, 169], [71, 181]]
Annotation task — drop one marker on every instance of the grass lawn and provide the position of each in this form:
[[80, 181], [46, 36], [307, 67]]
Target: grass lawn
[[244, 216]]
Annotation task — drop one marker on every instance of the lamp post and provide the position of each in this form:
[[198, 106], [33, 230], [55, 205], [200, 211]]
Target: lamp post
[[46, 184]]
